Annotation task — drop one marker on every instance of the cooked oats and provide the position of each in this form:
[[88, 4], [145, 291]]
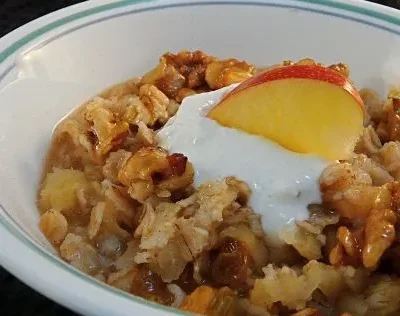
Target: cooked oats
[[125, 211]]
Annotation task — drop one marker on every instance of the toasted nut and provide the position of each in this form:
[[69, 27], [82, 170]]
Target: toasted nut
[[379, 235], [222, 73]]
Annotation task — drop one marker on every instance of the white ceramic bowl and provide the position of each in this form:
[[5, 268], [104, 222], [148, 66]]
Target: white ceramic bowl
[[52, 64]]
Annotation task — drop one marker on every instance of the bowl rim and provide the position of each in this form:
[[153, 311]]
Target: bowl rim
[[12, 234]]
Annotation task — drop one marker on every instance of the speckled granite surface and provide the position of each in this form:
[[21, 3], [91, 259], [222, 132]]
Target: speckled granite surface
[[16, 299]]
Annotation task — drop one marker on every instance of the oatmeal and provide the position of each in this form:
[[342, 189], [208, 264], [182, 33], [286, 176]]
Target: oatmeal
[[124, 200]]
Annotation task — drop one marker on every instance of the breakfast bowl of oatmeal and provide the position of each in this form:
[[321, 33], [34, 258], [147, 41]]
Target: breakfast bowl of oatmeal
[[151, 168]]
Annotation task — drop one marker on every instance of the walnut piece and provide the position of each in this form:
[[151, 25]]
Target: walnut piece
[[222, 73], [107, 129], [192, 65], [152, 168], [176, 72], [341, 68], [367, 244], [186, 73], [379, 235]]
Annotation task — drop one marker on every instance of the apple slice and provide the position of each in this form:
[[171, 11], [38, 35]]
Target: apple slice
[[305, 108]]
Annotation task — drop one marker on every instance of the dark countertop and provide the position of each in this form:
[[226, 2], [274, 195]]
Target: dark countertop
[[17, 299]]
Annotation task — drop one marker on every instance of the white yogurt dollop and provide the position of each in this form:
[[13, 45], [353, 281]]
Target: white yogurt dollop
[[283, 182]]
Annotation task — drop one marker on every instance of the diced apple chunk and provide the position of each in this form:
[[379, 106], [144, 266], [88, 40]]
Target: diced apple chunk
[[59, 189]]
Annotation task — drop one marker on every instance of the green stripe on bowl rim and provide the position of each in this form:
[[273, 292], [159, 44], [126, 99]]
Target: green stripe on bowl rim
[[125, 3]]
